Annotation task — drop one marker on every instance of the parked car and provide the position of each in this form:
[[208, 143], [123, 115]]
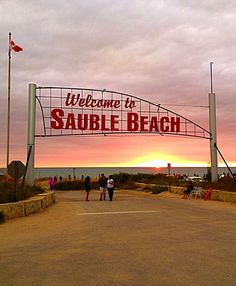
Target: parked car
[[194, 179]]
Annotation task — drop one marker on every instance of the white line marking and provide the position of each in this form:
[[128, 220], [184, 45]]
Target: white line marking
[[118, 212]]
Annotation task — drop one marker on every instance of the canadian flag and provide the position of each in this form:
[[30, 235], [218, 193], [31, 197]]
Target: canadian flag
[[15, 47]]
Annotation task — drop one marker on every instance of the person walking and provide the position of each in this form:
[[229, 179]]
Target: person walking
[[110, 187], [102, 186], [87, 183], [51, 183]]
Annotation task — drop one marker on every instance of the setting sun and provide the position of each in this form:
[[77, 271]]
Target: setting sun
[[163, 160]]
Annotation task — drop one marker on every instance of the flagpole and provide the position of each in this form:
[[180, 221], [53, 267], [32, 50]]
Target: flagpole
[[9, 98]]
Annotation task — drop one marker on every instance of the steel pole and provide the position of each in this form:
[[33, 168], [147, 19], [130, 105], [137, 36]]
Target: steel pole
[[213, 140], [9, 101], [31, 133]]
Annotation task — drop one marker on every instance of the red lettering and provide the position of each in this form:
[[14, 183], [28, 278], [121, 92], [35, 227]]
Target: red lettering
[[154, 124], [108, 103], [163, 124], [88, 101], [143, 122], [132, 122], [114, 122], [57, 114], [71, 100], [175, 124], [93, 103], [103, 125], [129, 103], [70, 121], [94, 122], [82, 121], [116, 103], [81, 102], [99, 104]]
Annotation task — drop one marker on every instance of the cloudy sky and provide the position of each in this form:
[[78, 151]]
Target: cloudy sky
[[157, 50]]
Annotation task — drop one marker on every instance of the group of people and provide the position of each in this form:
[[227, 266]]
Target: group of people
[[202, 194], [188, 190], [105, 184]]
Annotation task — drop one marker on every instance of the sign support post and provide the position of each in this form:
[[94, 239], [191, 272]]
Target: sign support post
[[213, 131], [31, 133]]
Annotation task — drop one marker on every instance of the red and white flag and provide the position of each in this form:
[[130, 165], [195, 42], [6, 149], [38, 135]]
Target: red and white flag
[[14, 47]]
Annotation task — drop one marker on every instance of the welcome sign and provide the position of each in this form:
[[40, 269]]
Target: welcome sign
[[78, 111]]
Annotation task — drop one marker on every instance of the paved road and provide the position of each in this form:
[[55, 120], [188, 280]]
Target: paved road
[[138, 239]]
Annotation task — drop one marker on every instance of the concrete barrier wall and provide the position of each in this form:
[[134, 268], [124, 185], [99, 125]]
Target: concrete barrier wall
[[216, 195], [223, 196], [29, 206], [177, 190]]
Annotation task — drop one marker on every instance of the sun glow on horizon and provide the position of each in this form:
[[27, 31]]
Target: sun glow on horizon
[[163, 160], [154, 160]]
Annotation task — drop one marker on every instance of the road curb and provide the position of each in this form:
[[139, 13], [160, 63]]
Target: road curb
[[32, 205]]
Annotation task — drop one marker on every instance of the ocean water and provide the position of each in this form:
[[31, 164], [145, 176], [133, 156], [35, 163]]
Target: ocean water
[[94, 172]]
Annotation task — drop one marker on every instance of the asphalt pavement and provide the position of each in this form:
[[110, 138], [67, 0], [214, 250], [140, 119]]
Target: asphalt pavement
[[138, 239]]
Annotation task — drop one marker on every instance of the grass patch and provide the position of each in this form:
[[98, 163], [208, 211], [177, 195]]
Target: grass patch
[[121, 183], [159, 189], [129, 185], [127, 181], [74, 185], [161, 179], [225, 184], [8, 194]]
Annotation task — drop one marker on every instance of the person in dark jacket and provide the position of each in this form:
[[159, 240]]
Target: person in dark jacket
[[188, 190], [87, 184], [103, 186]]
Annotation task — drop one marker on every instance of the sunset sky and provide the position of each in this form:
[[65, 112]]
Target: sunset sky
[[156, 50]]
